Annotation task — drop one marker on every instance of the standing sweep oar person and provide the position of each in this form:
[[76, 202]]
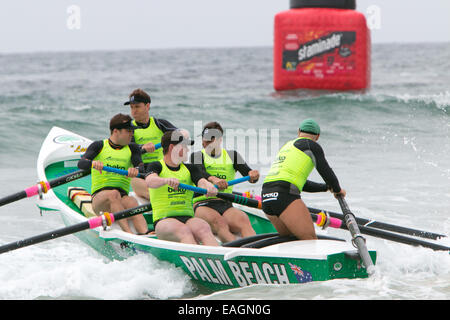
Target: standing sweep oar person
[[148, 133], [110, 191], [287, 178]]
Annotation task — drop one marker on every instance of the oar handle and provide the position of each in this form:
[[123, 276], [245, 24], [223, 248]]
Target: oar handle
[[226, 196], [157, 146], [236, 181], [204, 191], [118, 171], [184, 186]]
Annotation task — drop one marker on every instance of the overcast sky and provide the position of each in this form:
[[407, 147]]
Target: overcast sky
[[49, 25]]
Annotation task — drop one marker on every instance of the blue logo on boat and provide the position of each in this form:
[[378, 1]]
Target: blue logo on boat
[[301, 275]]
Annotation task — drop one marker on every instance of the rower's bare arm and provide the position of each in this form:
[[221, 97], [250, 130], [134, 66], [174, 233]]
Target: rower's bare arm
[[155, 181], [205, 184]]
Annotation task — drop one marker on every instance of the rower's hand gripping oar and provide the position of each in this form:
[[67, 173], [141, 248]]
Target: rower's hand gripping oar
[[357, 239], [104, 220], [227, 196], [236, 181], [157, 146], [43, 187]]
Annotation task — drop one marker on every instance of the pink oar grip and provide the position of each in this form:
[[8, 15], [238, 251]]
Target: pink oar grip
[[34, 190], [98, 221], [95, 222], [335, 223]]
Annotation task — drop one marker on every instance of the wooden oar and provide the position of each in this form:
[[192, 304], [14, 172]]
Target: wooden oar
[[357, 239], [43, 187], [370, 223], [104, 220]]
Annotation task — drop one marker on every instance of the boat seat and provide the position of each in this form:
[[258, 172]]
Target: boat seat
[[82, 199]]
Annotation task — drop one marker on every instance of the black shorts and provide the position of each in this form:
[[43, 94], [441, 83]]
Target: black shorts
[[122, 192], [275, 201], [219, 205], [182, 219]]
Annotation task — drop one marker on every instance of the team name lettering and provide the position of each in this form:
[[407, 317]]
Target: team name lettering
[[242, 273]]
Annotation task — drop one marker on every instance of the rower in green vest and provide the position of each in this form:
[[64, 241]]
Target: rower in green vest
[[147, 134], [287, 178], [173, 215], [109, 190], [221, 165]]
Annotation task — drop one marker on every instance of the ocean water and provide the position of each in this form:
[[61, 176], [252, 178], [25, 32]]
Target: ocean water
[[389, 147]]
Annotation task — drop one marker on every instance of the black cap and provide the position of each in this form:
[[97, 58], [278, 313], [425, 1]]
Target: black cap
[[211, 131], [174, 137], [209, 134], [136, 98], [121, 121]]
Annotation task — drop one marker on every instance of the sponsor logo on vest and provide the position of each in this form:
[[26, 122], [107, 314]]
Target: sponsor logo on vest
[[177, 191], [241, 272], [116, 166], [110, 158]]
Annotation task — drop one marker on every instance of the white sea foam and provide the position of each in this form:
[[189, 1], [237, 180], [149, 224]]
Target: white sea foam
[[69, 270]]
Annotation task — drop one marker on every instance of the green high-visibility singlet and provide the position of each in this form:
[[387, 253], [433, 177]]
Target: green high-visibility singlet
[[168, 202], [291, 165], [110, 157], [221, 167], [150, 134]]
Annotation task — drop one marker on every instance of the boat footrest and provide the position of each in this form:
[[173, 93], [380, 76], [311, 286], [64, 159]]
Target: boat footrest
[[82, 199]]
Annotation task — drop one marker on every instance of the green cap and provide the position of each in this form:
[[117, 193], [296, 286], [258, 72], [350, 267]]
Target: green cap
[[309, 126]]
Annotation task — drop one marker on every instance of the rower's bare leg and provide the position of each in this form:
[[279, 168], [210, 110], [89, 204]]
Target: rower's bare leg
[[218, 223], [139, 222], [202, 232], [295, 220], [173, 230], [110, 201], [140, 188], [239, 222]]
